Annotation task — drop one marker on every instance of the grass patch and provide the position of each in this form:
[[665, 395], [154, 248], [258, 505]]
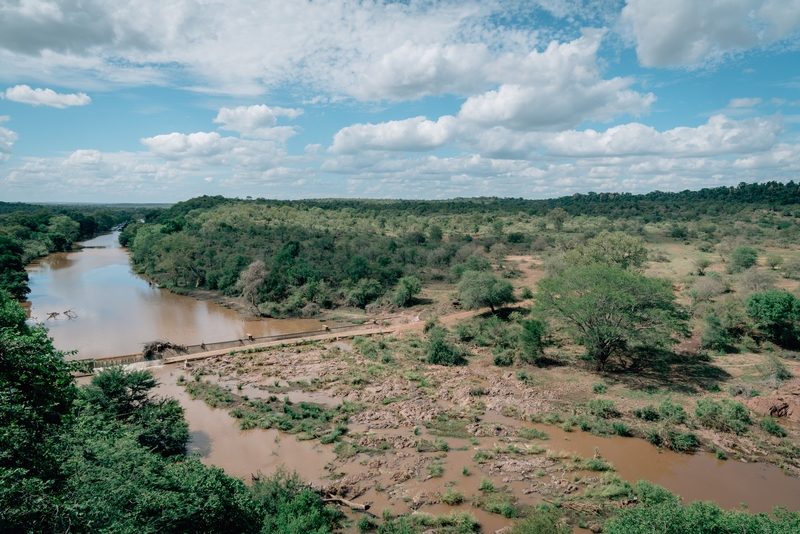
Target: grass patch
[[456, 522], [725, 416], [531, 433], [770, 425], [452, 497], [603, 408]]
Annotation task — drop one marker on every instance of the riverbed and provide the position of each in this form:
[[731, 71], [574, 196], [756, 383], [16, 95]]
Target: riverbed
[[114, 310]]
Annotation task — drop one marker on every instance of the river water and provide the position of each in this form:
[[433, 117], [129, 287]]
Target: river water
[[117, 310]]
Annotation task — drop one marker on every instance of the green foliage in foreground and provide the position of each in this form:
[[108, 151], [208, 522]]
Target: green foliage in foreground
[[661, 512], [109, 457]]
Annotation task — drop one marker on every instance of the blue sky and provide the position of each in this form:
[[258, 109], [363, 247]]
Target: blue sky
[[159, 101]]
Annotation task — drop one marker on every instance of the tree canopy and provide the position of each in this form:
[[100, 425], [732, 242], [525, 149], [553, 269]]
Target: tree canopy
[[610, 310], [478, 289]]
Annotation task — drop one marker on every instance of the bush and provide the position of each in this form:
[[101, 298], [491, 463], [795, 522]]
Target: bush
[[504, 358], [531, 433], [442, 353], [743, 257], [774, 259], [541, 521], [662, 512], [407, 287], [598, 388], [776, 312], [715, 336], [621, 429], [602, 408], [725, 416], [770, 424], [648, 413], [531, 340], [452, 497], [707, 288]]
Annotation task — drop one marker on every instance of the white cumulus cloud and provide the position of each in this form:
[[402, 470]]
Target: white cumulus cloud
[[45, 97], [690, 32], [416, 134], [556, 89], [257, 121]]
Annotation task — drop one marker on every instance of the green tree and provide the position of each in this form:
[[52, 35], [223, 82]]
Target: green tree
[[440, 352], [407, 287], [743, 257], [478, 289], [610, 310], [610, 248], [777, 313], [774, 260], [532, 340], [557, 216], [13, 277]]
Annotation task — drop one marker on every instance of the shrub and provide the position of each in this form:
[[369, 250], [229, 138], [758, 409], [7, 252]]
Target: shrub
[[647, 413], [487, 486], [715, 336], [776, 312], [407, 287], [621, 429], [541, 521], [365, 524], [531, 433], [725, 416], [598, 388], [527, 293], [672, 413], [743, 257], [754, 279], [504, 358], [770, 424], [602, 408], [773, 260], [707, 288], [531, 340], [442, 353], [452, 497]]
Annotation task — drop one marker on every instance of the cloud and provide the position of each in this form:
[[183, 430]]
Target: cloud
[[556, 89], [719, 136], [744, 102], [7, 138], [45, 97], [416, 134], [689, 33], [256, 121]]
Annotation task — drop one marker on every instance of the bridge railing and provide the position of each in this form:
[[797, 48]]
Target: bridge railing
[[187, 350]]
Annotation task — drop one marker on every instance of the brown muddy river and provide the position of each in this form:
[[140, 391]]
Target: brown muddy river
[[117, 310]]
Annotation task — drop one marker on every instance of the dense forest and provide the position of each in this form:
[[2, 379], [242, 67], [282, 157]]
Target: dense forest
[[291, 258]]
